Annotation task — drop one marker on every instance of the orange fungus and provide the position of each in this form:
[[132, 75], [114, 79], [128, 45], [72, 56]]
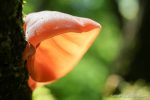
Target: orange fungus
[[56, 43]]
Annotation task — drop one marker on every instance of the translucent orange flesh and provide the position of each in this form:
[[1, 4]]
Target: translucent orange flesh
[[57, 43], [56, 56]]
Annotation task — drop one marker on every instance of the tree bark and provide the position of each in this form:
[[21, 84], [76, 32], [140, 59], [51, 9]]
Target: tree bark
[[13, 75]]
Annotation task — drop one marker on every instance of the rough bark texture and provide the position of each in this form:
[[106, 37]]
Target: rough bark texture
[[13, 75]]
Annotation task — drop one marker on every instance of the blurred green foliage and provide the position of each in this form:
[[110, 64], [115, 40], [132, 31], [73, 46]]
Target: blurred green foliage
[[137, 91], [87, 79]]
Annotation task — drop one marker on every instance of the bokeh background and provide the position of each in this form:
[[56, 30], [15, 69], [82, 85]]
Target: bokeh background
[[116, 67]]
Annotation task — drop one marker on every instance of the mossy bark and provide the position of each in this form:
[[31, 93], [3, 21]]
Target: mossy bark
[[13, 75]]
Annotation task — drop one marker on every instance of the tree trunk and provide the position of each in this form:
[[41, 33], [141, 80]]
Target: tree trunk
[[13, 75]]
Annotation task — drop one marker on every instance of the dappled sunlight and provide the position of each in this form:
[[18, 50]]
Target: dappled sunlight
[[104, 72]]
